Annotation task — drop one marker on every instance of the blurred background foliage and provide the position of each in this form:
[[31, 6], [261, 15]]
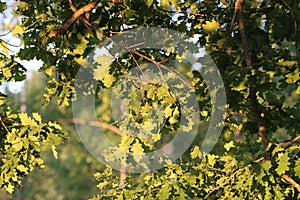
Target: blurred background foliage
[[242, 164]]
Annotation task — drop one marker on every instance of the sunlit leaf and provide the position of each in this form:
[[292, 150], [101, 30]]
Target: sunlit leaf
[[283, 164], [17, 30], [26, 120]]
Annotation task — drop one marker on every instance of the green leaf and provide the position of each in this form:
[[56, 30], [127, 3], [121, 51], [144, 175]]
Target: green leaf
[[149, 2], [165, 4], [297, 168], [81, 47], [129, 194], [211, 26], [283, 164], [293, 77], [287, 62], [164, 192], [267, 165]]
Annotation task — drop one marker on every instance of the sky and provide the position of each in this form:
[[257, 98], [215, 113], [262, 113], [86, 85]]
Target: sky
[[7, 20]]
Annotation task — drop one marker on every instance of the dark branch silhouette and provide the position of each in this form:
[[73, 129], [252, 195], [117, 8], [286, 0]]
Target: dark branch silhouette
[[85, 9]]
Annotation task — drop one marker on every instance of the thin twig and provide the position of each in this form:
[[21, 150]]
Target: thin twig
[[9, 44], [222, 185], [166, 68], [232, 22], [292, 13], [4, 125], [181, 12], [4, 34]]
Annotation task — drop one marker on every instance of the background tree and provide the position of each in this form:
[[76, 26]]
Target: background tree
[[255, 45]]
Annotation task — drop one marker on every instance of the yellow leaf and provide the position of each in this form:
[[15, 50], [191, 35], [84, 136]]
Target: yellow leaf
[[4, 48], [137, 150], [17, 145], [9, 188], [108, 80], [195, 153], [27, 121], [211, 159], [40, 162], [156, 137], [104, 60], [54, 152], [98, 175], [102, 185], [37, 117], [298, 90], [229, 145], [49, 71], [23, 6], [55, 125], [165, 4], [210, 26], [17, 30], [176, 112], [204, 113], [2, 100], [173, 120], [22, 168]]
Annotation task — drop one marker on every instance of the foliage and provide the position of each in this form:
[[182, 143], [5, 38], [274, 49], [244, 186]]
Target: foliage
[[71, 175], [213, 176], [23, 138], [255, 45]]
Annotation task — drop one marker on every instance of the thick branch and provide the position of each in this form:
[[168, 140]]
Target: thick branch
[[247, 55], [85, 18], [95, 124], [291, 181], [99, 124], [292, 141], [254, 105], [242, 29], [62, 30]]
